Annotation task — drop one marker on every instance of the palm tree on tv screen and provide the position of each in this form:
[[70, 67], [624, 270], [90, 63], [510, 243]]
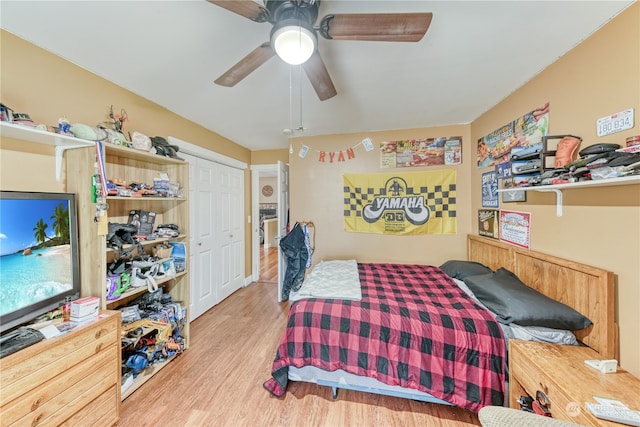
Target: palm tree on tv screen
[[40, 231], [60, 219]]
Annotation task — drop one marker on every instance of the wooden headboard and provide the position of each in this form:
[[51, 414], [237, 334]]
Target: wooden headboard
[[588, 290]]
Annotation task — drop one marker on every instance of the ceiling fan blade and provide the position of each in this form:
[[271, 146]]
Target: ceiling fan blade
[[319, 77], [393, 27], [247, 8], [246, 65]]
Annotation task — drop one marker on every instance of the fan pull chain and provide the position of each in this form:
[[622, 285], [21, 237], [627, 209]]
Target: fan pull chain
[[291, 98], [300, 127]]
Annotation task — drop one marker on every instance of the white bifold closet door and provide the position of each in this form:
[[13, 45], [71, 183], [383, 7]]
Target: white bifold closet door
[[217, 232]]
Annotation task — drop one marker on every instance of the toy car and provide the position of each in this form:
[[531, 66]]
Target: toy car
[[526, 152], [530, 166]]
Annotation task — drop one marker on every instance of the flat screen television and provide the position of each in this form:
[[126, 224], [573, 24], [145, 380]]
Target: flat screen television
[[39, 257]]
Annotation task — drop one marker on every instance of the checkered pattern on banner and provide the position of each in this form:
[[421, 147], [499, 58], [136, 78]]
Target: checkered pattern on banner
[[441, 200], [414, 328], [438, 188]]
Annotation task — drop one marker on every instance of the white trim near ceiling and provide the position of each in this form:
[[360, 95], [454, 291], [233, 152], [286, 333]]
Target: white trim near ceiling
[[203, 153]]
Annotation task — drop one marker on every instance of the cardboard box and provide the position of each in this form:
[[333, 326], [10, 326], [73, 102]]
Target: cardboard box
[[82, 307], [84, 319]]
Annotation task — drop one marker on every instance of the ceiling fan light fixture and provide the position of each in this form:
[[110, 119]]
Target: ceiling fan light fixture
[[293, 41]]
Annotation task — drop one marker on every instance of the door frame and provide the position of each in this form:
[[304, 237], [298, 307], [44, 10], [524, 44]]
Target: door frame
[[256, 172]]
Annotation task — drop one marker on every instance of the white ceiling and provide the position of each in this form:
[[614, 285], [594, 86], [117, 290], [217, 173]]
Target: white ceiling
[[474, 55]]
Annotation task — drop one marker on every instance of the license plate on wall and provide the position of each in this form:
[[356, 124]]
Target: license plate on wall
[[615, 123]]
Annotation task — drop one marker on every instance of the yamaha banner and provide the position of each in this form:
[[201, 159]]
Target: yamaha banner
[[401, 203]]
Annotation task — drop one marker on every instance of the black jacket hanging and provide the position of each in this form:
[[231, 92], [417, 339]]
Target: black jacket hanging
[[295, 250]]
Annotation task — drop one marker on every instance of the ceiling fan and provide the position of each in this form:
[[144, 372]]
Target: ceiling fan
[[294, 32]]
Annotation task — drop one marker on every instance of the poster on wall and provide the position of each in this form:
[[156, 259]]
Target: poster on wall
[[490, 190], [421, 152], [503, 170], [407, 203], [515, 228], [488, 223], [495, 148]]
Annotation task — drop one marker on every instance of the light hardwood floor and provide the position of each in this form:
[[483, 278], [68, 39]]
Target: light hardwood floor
[[218, 381], [269, 264]]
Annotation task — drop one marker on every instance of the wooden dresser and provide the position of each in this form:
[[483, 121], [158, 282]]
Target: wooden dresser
[[560, 372], [72, 379]]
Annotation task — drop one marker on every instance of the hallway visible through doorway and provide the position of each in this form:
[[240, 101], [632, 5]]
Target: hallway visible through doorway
[[268, 264]]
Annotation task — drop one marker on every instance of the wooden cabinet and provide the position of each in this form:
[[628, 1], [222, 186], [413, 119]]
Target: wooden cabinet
[[73, 379], [130, 166], [559, 371]]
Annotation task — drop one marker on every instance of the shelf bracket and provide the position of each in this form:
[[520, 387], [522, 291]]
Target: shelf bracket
[[558, 199], [59, 157], [60, 149]]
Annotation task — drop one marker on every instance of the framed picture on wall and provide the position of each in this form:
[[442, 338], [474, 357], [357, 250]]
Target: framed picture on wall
[[513, 194]]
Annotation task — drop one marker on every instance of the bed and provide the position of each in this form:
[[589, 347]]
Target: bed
[[398, 341]]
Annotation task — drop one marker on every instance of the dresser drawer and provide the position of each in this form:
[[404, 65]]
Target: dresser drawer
[[560, 404], [569, 383], [41, 363], [71, 386], [75, 376], [100, 412]]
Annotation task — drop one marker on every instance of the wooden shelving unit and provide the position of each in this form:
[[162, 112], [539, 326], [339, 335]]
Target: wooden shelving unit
[[141, 167], [132, 166]]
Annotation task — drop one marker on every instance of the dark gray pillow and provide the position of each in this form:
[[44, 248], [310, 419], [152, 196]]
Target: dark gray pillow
[[512, 301], [461, 269]]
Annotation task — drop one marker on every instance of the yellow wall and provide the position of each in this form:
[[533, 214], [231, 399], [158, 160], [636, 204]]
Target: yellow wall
[[316, 195], [599, 226], [269, 157], [46, 87]]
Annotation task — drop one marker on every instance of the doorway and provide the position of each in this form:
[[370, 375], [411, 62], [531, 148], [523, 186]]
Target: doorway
[[270, 204]]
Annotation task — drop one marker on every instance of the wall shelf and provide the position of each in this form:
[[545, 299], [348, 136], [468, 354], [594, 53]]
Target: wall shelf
[[67, 142], [557, 188], [145, 156], [33, 134]]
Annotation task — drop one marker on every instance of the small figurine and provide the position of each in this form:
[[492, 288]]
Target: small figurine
[[117, 120], [64, 127]]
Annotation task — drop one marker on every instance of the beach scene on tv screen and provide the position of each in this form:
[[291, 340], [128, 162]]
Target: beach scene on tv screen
[[35, 252]]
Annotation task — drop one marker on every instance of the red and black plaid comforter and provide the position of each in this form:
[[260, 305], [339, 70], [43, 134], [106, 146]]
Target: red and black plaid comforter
[[414, 327]]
